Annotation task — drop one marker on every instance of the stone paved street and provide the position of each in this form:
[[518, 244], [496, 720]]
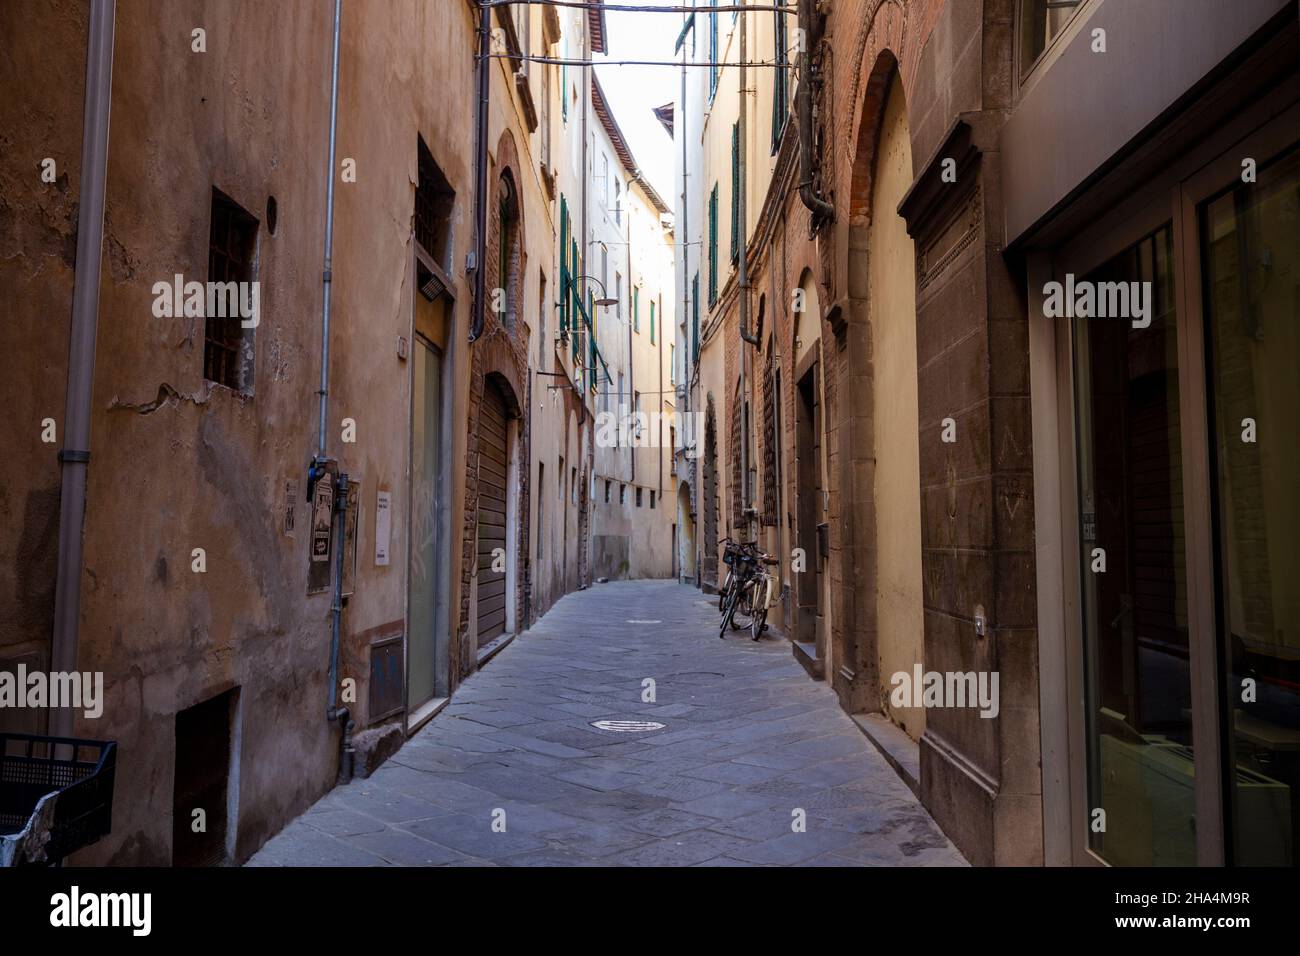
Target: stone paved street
[[747, 740]]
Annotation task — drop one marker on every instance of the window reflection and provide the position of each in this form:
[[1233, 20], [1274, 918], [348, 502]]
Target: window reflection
[[1134, 583], [1040, 22], [1252, 292]]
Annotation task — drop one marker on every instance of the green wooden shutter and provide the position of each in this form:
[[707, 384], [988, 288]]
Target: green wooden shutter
[[781, 87], [714, 71], [652, 323], [591, 341], [577, 296], [695, 317], [564, 265], [713, 247], [735, 192]]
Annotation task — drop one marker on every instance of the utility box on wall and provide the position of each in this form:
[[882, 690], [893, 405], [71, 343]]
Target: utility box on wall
[[321, 545], [386, 687]]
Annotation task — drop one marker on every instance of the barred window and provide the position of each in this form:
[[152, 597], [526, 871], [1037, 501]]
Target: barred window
[[232, 250]]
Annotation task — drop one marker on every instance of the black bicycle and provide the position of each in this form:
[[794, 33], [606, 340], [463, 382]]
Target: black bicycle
[[730, 548], [738, 606]]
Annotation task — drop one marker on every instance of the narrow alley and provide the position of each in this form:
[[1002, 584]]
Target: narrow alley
[[395, 386], [746, 743]]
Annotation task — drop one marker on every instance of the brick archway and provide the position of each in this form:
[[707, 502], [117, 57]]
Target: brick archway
[[709, 496], [500, 354], [888, 43]]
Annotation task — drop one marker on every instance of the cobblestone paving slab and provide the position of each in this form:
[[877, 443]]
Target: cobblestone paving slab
[[512, 772]]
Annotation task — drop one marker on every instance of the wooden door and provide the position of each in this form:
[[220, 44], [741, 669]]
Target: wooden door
[[493, 456]]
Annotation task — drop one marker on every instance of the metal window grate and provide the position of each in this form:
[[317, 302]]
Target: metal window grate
[[232, 244], [434, 200]]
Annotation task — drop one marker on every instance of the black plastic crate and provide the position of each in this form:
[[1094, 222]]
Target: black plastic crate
[[80, 772]]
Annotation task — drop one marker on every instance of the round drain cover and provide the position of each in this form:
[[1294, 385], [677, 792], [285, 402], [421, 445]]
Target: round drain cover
[[627, 726]]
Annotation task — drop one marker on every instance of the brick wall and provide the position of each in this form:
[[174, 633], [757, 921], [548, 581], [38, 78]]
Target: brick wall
[[501, 351], [980, 777]]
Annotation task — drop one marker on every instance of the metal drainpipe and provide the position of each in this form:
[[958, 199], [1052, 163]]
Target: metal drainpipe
[[685, 235], [659, 436], [803, 115], [631, 363], [333, 712], [327, 277], [742, 229], [481, 173], [585, 544], [75, 455], [585, 244]]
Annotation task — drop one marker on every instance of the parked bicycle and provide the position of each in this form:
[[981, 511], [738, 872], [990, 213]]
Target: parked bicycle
[[747, 591], [760, 587], [730, 549]]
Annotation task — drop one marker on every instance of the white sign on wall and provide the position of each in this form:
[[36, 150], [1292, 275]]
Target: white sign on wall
[[383, 526]]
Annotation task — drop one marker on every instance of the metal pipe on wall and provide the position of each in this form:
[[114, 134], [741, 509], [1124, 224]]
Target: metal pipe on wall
[[810, 27], [685, 235], [631, 362], [481, 173], [327, 276], [333, 712], [74, 457], [742, 229], [585, 542]]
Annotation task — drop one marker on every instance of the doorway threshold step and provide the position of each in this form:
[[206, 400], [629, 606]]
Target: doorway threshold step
[[493, 648], [902, 752], [806, 654]]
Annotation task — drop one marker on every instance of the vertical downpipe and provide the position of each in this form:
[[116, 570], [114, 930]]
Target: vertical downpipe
[[481, 172], [333, 712], [810, 27], [585, 543], [75, 454], [684, 235], [742, 230], [327, 276]]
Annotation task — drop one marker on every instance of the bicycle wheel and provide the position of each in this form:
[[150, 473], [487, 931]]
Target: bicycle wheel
[[727, 583], [758, 618], [727, 613], [744, 608]]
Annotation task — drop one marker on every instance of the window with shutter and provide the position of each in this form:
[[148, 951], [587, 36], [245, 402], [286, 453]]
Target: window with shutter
[[781, 86], [713, 51], [695, 317], [735, 192], [577, 295], [564, 265], [713, 246]]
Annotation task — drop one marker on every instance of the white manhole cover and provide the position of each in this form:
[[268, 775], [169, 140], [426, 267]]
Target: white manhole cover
[[627, 726]]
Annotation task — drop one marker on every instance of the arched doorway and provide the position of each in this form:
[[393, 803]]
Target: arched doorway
[[891, 310], [498, 520], [685, 534], [810, 570], [709, 499]]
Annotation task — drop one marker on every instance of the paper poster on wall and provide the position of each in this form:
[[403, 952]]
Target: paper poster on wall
[[350, 539], [321, 516]]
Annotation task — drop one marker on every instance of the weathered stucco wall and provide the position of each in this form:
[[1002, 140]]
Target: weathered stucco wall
[[44, 84], [248, 116], [892, 295]]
